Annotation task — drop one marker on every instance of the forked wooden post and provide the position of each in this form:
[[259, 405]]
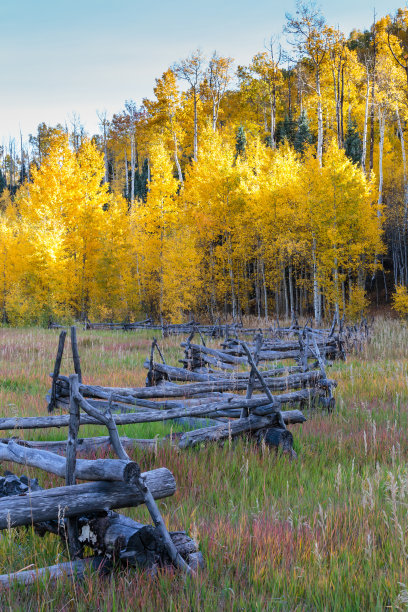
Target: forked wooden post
[[252, 375], [57, 367], [264, 385]]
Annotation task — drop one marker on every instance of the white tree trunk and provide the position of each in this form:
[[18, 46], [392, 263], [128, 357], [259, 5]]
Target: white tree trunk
[[319, 119], [176, 159], [364, 153]]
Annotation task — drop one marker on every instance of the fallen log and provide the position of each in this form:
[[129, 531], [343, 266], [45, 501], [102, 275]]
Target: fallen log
[[75, 500], [230, 430], [124, 539], [70, 569]]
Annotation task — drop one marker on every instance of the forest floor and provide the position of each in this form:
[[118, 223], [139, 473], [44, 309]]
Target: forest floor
[[327, 532]]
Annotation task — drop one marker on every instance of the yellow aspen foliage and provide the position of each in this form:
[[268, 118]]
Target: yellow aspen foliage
[[155, 221], [342, 223], [64, 212]]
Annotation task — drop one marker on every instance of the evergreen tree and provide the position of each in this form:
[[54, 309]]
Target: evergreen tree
[[3, 182], [352, 143], [141, 176], [286, 130], [240, 141], [303, 136]]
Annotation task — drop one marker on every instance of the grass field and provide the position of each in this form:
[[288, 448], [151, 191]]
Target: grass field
[[328, 532]]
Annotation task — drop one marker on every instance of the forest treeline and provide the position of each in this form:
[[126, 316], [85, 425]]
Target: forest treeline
[[273, 189]]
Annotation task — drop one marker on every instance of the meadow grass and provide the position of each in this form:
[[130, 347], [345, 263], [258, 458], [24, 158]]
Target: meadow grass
[[328, 532]]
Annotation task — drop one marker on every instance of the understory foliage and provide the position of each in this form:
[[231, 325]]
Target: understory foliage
[[72, 248]]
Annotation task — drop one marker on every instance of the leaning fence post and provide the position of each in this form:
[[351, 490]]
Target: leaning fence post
[[132, 476], [55, 374], [252, 375], [263, 383], [74, 545], [75, 354]]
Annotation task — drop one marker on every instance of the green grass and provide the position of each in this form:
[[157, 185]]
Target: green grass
[[328, 532]]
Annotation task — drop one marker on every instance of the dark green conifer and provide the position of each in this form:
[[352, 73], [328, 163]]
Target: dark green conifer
[[353, 146], [240, 141], [303, 136]]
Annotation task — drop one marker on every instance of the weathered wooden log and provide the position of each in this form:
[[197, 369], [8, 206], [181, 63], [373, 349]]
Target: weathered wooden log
[[218, 354], [112, 534], [184, 375], [200, 360], [70, 569], [80, 499], [211, 409], [281, 346], [129, 404], [85, 469], [252, 373], [289, 416], [105, 418], [230, 430], [136, 544], [86, 445], [276, 355], [173, 390], [132, 476], [180, 374]]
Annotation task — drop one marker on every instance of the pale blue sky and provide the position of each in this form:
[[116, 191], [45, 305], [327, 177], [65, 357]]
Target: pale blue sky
[[63, 56]]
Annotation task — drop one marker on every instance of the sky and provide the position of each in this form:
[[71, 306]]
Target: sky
[[61, 58]]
